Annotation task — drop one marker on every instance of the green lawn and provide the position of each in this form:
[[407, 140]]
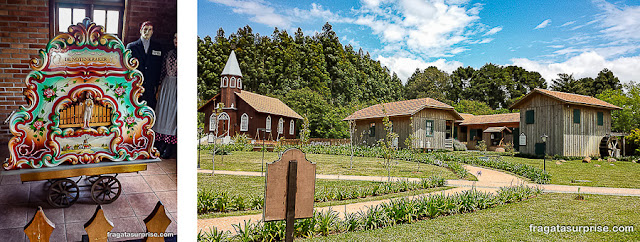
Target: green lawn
[[512, 222], [621, 174], [328, 164], [254, 186]]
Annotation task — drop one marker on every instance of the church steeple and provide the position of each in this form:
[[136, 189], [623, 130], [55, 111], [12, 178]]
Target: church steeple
[[230, 81]]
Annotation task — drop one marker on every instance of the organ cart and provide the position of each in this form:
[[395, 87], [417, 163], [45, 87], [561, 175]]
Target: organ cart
[[82, 119]]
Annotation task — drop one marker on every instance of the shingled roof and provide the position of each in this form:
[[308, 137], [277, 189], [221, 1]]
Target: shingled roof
[[400, 108], [266, 104], [470, 119], [569, 98]]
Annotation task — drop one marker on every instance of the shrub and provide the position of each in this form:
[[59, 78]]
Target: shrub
[[459, 146]]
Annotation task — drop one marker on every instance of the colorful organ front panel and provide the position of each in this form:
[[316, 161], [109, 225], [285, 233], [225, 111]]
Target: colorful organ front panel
[[82, 104]]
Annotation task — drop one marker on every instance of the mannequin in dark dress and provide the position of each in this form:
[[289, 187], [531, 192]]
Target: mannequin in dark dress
[[149, 62]]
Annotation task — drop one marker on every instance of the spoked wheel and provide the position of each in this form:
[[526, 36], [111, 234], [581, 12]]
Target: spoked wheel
[[63, 193], [106, 190]]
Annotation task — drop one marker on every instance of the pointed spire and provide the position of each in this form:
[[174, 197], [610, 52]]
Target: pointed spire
[[232, 67]]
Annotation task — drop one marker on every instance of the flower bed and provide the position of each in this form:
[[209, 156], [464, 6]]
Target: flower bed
[[209, 201], [398, 211]]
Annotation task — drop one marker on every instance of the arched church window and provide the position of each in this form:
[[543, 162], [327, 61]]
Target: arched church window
[[292, 127], [268, 124], [232, 84], [280, 126], [244, 122]]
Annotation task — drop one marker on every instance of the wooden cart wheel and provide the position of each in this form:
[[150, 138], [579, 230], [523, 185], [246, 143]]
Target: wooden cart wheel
[[63, 193], [105, 190]]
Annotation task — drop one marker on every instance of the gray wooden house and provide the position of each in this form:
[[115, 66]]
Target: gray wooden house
[[433, 123], [576, 125]]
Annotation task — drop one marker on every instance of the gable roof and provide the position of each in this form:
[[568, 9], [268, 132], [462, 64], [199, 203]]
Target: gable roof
[[569, 98], [470, 119], [232, 67], [400, 108], [268, 105]]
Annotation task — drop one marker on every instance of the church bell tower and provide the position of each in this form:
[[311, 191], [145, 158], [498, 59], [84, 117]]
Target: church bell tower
[[230, 81]]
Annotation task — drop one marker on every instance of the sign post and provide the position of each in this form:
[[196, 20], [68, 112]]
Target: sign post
[[290, 198]]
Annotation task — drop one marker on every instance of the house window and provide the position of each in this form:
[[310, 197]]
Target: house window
[[530, 117], [225, 82], [239, 83], [292, 127], [233, 82], [576, 116], [600, 118], [108, 14], [429, 129], [244, 122], [268, 124], [372, 130]]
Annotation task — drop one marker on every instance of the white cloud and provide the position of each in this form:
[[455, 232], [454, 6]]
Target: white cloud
[[428, 28], [406, 66], [259, 11], [587, 64], [493, 31], [620, 23], [568, 23], [544, 24]]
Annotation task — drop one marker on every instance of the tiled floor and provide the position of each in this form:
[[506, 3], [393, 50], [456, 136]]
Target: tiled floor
[[140, 192]]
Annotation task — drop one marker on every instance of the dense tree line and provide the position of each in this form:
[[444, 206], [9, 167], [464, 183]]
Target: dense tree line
[[315, 75], [325, 81]]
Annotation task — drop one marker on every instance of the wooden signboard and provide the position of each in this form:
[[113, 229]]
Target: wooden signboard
[[523, 139], [82, 104], [275, 202]]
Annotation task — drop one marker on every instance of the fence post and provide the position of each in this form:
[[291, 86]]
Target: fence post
[[98, 226], [39, 228], [157, 222]]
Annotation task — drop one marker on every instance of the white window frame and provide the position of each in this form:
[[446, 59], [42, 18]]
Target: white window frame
[[232, 84], [224, 82], [281, 126], [268, 124], [244, 122], [239, 83], [292, 127]]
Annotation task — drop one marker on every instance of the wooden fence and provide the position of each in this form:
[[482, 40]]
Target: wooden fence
[[98, 227]]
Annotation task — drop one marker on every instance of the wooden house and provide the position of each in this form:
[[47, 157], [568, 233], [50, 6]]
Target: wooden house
[[575, 125], [496, 130], [246, 113], [433, 123]]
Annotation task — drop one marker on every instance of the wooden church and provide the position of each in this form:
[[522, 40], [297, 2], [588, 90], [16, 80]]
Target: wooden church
[[234, 111]]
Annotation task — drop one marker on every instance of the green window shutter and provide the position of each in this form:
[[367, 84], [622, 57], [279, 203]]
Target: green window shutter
[[530, 116], [576, 116], [372, 130], [429, 128], [600, 118]]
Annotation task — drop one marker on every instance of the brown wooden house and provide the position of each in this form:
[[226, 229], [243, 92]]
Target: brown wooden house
[[496, 130], [576, 125], [433, 123], [244, 112]]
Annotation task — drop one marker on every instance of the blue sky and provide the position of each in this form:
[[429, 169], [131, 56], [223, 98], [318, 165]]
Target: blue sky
[[551, 37]]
